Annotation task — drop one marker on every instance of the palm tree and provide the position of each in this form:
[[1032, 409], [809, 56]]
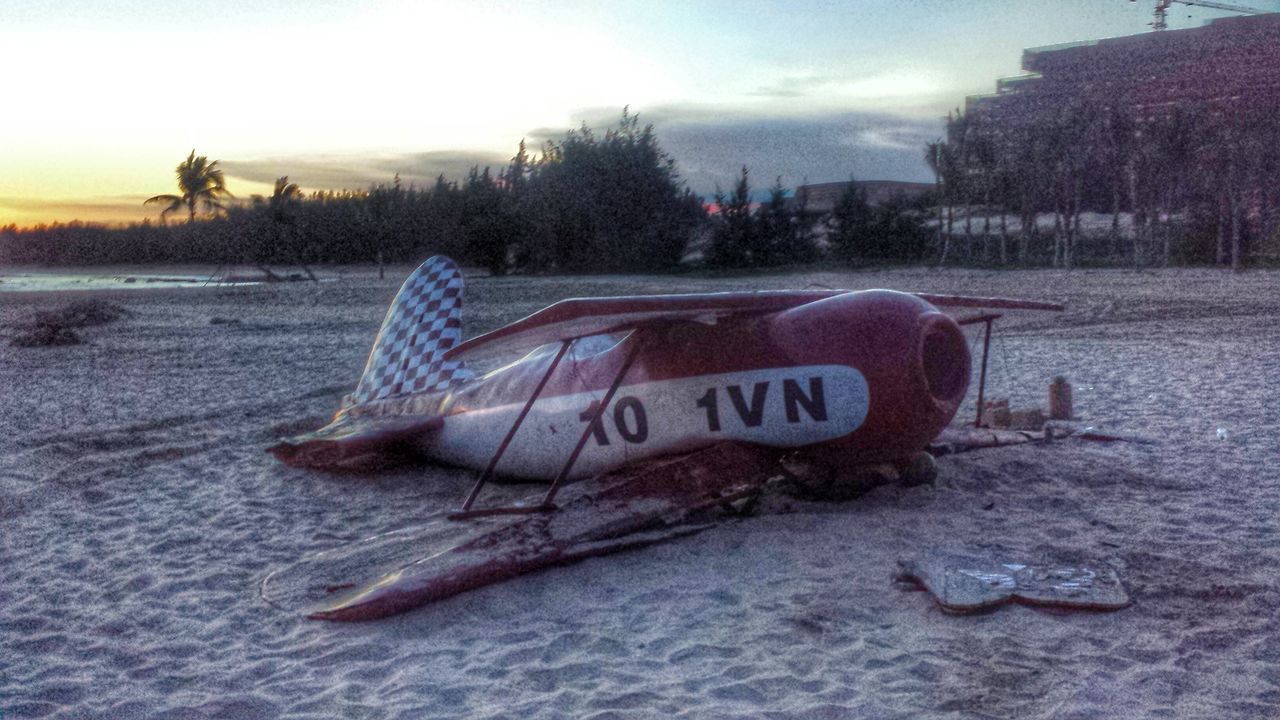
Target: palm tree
[[283, 198], [959, 135], [275, 217], [941, 157], [280, 208], [200, 182]]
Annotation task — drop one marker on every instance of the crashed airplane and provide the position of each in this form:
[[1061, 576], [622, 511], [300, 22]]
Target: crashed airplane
[[612, 389]]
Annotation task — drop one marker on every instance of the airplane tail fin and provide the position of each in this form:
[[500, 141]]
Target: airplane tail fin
[[423, 322]]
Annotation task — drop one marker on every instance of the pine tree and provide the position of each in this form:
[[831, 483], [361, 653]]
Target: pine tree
[[734, 236], [850, 223]]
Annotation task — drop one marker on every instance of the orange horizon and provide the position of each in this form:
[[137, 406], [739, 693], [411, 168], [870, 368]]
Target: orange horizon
[[27, 213], [114, 211]]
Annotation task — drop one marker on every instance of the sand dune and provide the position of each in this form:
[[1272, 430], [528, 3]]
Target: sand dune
[[138, 513]]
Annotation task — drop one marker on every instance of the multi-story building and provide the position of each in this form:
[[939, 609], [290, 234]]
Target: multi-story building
[[1227, 66], [1210, 97], [822, 197]]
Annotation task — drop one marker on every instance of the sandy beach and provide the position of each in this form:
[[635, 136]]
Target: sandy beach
[[139, 513]]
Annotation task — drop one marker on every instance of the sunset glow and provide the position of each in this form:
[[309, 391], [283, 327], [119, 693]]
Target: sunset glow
[[103, 102]]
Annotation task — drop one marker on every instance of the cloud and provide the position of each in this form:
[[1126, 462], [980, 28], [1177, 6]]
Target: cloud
[[791, 87], [710, 145], [877, 90], [892, 138], [337, 172]]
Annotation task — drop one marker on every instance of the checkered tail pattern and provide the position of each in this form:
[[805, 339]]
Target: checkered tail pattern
[[423, 322]]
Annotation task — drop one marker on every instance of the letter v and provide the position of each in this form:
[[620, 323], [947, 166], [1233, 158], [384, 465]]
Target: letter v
[[753, 416]]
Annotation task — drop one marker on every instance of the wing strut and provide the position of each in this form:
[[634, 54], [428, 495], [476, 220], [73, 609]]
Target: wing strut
[[466, 511], [546, 505], [986, 345], [586, 433]]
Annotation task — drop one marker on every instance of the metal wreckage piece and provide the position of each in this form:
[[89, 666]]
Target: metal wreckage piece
[[629, 508], [962, 583]]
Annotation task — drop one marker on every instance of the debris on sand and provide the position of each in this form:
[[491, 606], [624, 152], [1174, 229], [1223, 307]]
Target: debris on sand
[[960, 438], [52, 328], [628, 508], [812, 477], [997, 414], [968, 584], [85, 313], [1060, 399], [46, 336], [1095, 435]]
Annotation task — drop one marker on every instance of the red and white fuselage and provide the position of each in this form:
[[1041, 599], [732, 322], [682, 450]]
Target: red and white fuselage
[[847, 373], [869, 376]]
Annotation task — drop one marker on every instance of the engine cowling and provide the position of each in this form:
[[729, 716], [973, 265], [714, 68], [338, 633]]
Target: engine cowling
[[914, 358]]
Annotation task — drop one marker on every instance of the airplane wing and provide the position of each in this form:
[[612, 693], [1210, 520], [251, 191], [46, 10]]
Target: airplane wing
[[582, 317], [996, 303], [627, 508]]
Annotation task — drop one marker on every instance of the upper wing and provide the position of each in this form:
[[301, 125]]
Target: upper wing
[[581, 317], [988, 302]]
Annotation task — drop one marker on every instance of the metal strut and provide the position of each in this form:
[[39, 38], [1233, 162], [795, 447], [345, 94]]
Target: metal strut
[[586, 433], [546, 504], [986, 345], [466, 511]]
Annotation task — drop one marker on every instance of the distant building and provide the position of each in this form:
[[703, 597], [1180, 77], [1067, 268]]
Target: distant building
[[1227, 66], [822, 197], [1222, 79]]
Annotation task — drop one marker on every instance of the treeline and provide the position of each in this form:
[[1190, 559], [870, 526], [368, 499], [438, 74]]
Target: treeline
[[1193, 187], [784, 230], [585, 203], [1198, 185]]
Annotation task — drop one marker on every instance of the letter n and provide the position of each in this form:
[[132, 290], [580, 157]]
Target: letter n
[[815, 403]]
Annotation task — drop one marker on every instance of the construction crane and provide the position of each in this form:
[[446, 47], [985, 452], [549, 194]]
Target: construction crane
[[1162, 10]]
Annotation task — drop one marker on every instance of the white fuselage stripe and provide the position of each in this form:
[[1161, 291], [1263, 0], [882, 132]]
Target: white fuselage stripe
[[780, 407]]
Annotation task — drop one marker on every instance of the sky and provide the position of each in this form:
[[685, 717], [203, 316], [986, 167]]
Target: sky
[[101, 99]]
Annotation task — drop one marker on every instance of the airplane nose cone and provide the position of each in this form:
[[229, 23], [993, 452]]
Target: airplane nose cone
[[914, 358]]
